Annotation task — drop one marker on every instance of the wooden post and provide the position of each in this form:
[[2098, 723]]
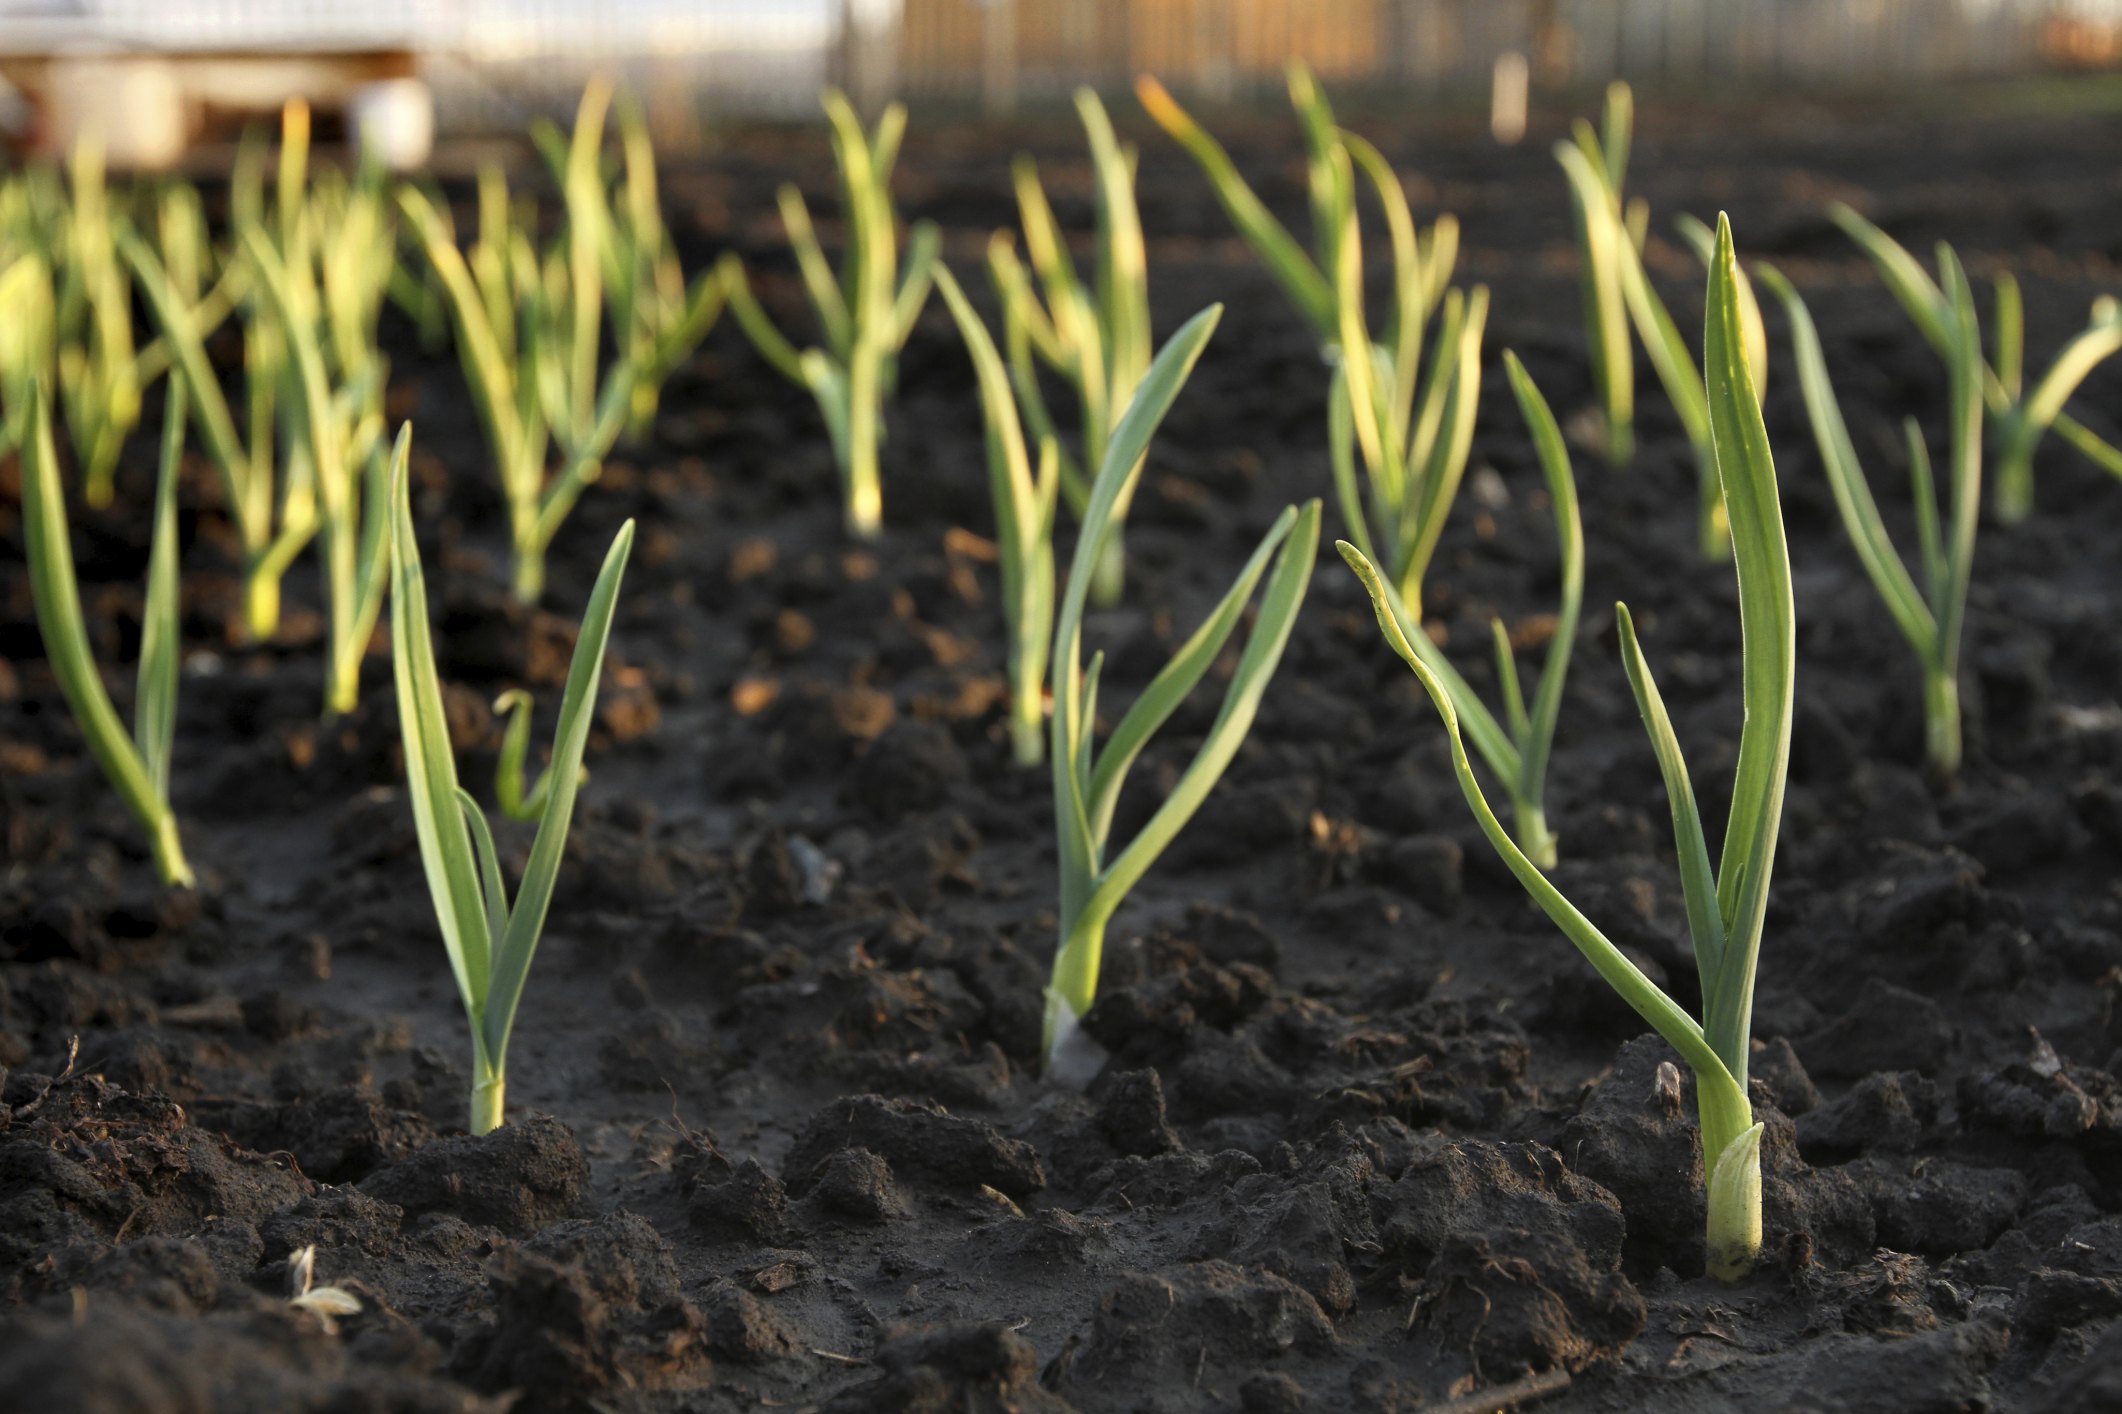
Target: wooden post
[[998, 56], [1507, 97], [868, 54], [1553, 45], [1212, 50]]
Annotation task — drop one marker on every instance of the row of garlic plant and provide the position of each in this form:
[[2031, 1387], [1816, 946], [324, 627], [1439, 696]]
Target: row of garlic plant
[[1928, 605], [69, 331], [1621, 309], [865, 310], [303, 465], [530, 344], [309, 268], [1727, 902], [71, 257], [1411, 434], [491, 939], [1095, 338], [529, 323], [1416, 435], [1718, 403], [1399, 426]]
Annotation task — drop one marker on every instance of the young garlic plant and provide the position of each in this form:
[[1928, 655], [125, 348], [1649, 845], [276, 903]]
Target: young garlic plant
[[866, 311], [1024, 500], [1612, 347], [99, 375], [528, 333], [490, 939], [1413, 427], [1517, 745], [1097, 339], [82, 334], [1414, 456], [335, 445], [275, 517], [656, 318], [563, 316], [214, 283], [137, 764], [2019, 418], [1619, 297], [342, 374], [318, 264], [1087, 781], [1726, 905], [1422, 267], [1930, 614], [274, 511], [417, 292]]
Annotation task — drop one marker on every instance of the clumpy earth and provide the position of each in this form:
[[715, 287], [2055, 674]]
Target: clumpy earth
[[1371, 1138]]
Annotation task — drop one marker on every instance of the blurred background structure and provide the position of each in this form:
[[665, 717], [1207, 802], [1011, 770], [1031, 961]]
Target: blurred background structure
[[156, 76], [1225, 47]]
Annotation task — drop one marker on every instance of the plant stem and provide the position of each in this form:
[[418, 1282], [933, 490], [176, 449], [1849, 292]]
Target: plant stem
[[1074, 984], [1731, 1166], [261, 604], [169, 852], [1534, 836], [865, 507], [1941, 720], [102, 486], [487, 1092], [865, 493], [344, 692], [1620, 441], [2015, 482], [1027, 731], [1732, 1237], [529, 574], [641, 410]]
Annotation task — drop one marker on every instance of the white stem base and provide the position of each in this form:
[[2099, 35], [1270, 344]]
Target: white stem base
[[1734, 1238], [1073, 1058]]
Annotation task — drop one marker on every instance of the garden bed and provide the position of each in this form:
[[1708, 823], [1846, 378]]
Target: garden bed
[[1372, 1138]]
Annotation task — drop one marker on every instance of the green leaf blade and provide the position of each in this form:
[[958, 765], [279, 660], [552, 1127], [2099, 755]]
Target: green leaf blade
[[431, 776], [1768, 629], [155, 697], [578, 705]]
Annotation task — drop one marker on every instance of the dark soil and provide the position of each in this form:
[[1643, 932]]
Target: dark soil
[[1373, 1138]]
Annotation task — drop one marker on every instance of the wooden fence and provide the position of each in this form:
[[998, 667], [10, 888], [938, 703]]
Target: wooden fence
[[493, 63], [1002, 50]]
